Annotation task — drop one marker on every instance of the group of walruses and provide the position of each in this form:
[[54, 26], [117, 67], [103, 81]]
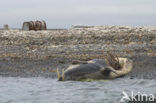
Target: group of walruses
[[97, 69]]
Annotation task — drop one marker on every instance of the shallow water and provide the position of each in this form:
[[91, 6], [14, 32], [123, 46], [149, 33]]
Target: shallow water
[[47, 90]]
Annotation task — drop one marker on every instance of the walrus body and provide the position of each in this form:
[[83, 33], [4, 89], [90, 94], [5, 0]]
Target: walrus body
[[96, 69]]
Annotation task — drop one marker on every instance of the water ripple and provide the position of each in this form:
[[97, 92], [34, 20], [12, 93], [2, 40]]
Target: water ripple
[[47, 90]]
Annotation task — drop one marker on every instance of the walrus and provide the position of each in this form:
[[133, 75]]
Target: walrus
[[97, 69]]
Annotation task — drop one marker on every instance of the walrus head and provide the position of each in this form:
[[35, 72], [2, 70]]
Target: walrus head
[[60, 77]]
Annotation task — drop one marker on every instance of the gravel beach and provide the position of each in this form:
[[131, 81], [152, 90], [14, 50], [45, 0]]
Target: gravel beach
[[39, 53]]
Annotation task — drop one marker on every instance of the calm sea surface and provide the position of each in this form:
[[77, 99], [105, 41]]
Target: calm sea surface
[[48, 90]]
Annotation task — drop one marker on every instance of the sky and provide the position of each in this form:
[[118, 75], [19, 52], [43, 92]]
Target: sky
[[64, 13]]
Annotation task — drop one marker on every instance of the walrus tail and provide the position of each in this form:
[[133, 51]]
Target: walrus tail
[[60, 78], [58, 74], [62, 74]]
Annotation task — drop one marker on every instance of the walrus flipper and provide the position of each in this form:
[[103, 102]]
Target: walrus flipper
[[107, 70]]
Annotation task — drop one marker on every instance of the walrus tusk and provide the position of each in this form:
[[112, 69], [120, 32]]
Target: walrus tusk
[[62, 74], [58, 74]]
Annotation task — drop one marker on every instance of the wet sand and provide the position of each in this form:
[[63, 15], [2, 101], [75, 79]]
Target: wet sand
[[38, 54]]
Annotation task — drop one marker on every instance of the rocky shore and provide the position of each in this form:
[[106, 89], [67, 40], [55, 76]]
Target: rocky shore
[[39, 53]]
